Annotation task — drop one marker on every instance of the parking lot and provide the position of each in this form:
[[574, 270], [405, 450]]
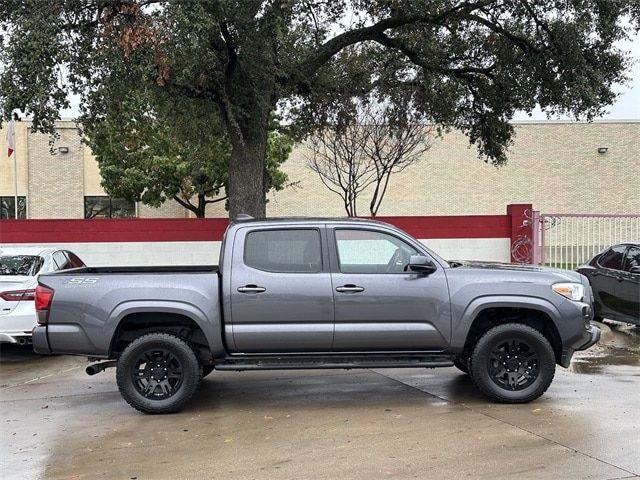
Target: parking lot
[[59, 423]]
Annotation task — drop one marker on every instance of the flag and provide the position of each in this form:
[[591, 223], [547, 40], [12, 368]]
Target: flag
[[11, 138]]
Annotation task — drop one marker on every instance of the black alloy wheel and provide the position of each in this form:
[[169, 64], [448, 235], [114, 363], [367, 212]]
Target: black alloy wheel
[[513, 364], [157, 374]]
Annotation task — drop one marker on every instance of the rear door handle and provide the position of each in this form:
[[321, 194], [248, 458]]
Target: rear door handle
[[251, 289], [349, 288]]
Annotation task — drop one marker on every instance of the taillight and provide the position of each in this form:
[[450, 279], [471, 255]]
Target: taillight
[[17, 295], [44, 295]]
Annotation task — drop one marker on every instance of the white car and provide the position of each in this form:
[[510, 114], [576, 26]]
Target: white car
[[19, 269]]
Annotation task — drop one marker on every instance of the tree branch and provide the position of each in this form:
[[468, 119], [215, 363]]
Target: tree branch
[[310, 65]]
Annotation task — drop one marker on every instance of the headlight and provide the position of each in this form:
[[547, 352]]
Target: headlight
[[573, 291]]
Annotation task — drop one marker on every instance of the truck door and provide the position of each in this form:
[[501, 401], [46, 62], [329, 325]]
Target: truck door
[[378, 305], [281, 296]]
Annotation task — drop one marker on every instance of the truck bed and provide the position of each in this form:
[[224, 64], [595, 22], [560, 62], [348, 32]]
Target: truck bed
[[142, 269]]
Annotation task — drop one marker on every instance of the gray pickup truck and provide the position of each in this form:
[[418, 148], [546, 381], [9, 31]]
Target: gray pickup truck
[[316, 293]]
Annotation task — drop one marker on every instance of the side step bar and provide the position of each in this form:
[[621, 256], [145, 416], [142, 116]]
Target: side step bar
[[299, 362]]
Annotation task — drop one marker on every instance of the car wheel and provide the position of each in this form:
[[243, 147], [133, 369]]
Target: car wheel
[[158, 373], [206, 370], [513, 363], [461, 363]]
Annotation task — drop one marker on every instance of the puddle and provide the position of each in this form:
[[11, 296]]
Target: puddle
[[621, 349]]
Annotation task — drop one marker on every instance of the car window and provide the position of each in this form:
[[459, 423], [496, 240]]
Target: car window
[[368, 251], [74, 261], [27, 265], [286, 251], [613, 258], [632, 258], [61, 260]]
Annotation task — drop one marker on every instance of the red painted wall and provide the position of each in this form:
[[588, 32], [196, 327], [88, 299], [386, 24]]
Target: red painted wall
[[212, 229]]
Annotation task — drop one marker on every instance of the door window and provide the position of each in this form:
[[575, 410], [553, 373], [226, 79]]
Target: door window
[[612, 258], [74, 261], [368, 251], [284, 251], [61, 260], [632, 259]]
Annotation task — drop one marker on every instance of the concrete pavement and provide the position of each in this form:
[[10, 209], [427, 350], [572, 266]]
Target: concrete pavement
[[58, 423]]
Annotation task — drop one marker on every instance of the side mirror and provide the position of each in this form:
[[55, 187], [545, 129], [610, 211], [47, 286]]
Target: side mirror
[[635, 270], [421, 264]]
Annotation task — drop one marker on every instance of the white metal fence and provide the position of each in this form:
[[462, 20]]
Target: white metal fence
[[569, 240]]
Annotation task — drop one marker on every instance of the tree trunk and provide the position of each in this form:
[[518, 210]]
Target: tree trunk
[[246, 174]]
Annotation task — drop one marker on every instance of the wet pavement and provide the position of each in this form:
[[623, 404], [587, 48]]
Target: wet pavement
[[58, 423]]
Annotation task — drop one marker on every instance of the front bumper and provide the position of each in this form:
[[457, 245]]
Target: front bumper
[[592, 336], [593, 339]]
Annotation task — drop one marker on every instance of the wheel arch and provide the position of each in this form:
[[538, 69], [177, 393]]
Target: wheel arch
[[137, 320], [534, 312]]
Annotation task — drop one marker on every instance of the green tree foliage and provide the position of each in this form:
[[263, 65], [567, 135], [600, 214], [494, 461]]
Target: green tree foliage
[[469, 64], [150, 149]]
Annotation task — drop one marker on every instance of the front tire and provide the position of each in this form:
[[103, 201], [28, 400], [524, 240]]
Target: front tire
[[158, 373], [513, 363]]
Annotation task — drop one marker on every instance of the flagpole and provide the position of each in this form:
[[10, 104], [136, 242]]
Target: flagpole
[[15, 184]]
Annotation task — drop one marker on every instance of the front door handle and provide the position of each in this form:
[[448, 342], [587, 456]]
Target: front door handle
[[251, 289], [349, 288]]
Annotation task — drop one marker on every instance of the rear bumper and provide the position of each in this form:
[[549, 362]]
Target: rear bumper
[[40, 341]]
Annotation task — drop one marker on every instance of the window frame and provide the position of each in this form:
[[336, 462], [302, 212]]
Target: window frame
[[318, 230], [335, 263], [110, 208], [22, 212]]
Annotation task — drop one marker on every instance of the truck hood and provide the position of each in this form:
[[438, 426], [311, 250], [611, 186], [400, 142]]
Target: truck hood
[[566, 275]]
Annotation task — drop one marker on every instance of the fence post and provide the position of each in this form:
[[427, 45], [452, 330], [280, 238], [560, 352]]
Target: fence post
[[522, 244]]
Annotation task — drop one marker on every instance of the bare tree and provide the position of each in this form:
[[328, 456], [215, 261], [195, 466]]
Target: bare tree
[[349, 157]]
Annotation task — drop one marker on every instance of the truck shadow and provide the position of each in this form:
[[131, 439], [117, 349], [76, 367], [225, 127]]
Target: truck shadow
[[10, 352], [320, 390]]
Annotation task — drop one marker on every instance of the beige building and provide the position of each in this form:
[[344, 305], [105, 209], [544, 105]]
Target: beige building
[[559, 167]]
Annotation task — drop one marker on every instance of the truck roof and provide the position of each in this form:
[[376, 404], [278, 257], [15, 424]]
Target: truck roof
[[289, 220]]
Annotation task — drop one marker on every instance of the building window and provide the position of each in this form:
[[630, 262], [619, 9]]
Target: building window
[[8, 207], [107, 207]]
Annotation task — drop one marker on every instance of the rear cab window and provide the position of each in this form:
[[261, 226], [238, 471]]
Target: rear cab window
[[284, 250]]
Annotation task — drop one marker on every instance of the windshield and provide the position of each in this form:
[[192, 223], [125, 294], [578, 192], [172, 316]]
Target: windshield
[[27, 265]]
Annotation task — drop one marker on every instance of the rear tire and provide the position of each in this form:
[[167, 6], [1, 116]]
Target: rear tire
[[158, 373], [513, 363]]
